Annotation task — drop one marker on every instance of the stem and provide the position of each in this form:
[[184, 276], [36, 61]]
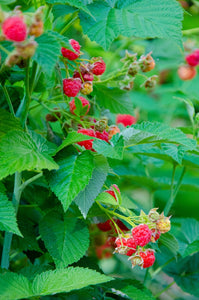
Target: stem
[[4, 50], [68, 24], [22, 187], [8, 235], [179, 182], [165, 289], [162, 267], [190, 31], [32, 80], [171, 199], [8, 99], [111, 78]]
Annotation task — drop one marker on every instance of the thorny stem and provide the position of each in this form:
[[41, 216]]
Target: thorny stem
[[165, 289], [8, 99]]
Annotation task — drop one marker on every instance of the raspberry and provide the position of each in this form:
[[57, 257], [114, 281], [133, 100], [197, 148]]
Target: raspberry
[[193, 58], [131, 243], [113, 129], [148, 258], [106, 226], [89, 143], [36, 28], [126, 120], [14, 29], [87, 88], [102, 135], [84, 103], [71, 55], [71, 87], [111, 192], [121, 225], [99, 67], [121, 242], [155, 235], [87, 76], [103, 251], [148, 63], [163, 225], [130, 252], [187, 72], [141, 234]]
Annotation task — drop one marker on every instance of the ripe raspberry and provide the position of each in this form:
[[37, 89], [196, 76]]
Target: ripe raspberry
[[89, 143], [193, 58], [121, 225], [106, 226], [121, 242], [71, 87], [103, 251], [14, 29], [130, 252], [87, 88], [111, 191], [36, 28], [148, 258], [84, 103], [187, 72], [71, 55], [87, 76], [126, 120], [141, 234], [113, 129], [99, 67], [102, 135], [155, 235]]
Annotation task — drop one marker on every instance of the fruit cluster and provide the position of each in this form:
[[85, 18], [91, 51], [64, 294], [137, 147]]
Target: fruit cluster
[[21, 29], [188, 71]]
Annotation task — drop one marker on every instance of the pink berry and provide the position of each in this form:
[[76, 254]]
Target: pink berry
[[89, 143], [84, 103], [99, 67], [102, 135], [71, 87], [148, 258], [131, 243], [111, 192], [130, 252], [121, 242], [106, 226], [14, 29], [126, 120], [155, 235], [121, 225], [141, 234], [186, 72], [86, 76], [71, 55], [193, 58]]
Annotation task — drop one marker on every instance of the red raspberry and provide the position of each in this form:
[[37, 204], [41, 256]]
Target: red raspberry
[[121, 225], [71, 55], [99, 67], [89, 143], [155, 235], [141, 234], [71, 87], [131, 243], [87, 76], [187, 72], [14, 29], [84, 103], [130, 252], [126, 120], [104, 251], [193, 58], [111, 192], [113, 129], [148, 258], [106, 226], [121, 242], [102, 135]]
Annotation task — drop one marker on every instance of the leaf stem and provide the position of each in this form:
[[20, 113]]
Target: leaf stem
[[171, 199], [165, 289], [190, 31], [30, 180], [8, 99]]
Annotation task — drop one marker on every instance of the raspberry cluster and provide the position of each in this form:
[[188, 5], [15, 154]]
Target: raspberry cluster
[[188, 71], [21, 30]]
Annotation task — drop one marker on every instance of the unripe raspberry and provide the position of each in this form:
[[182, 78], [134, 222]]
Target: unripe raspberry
[[71, 55], [98, 67], [155, 235], [126, 120], [14, 29], [154, 215], [37, 28], [113, 129], [89, 143], [187, 72], [84, 103], [101, 125], [12, 59], [111, 191], [71, 87], [87, 88], [86, 76], [102, 135], [147, 63], [151, 82], [106, 226], [141, 234], [148, 258], [133, 69], [163, 225], [136, 260], [28, 50]]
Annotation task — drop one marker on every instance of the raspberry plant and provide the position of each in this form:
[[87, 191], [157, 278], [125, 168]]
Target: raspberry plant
[[99, 150]]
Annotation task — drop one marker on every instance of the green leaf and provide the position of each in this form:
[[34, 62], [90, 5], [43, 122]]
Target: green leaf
[[72, 177], [192, 248], [76, 3], [114, 99], [19, 152], [115, 151], [47, 56], [148, 132], [66, 280], [8, 220], [62, 10], [66, 240], [106, 198], [8, 122], [86, 198], [169, 241], [132, 19]]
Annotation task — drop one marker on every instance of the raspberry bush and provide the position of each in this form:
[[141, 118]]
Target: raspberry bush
[[99, 156]]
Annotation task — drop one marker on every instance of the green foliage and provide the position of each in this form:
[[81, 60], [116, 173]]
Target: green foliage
[[8, 122], [115, 151]]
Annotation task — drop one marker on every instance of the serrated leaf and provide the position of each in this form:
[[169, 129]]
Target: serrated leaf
[[86, 198], [114, 99], [132, 19], [73, 175], [8, 122], [148, 132], [192, 248], [18, 152], [8, 220], [66, 280], [112, 151], [62, 10], [66, 240], [76, 3], [169, 241]]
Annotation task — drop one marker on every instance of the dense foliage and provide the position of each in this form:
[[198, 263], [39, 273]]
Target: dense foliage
[[99, 156]]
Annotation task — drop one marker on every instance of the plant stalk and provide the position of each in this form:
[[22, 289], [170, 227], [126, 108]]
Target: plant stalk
[[171, 199], [8, 99]]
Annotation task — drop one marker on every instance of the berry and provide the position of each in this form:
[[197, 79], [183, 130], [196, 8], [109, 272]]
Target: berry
[[126, 120], [193, 58], [14, 29], [102, 135], [89, 143], [26, 50], [99, 67], [87, 88], [148, 258], [106, 226], [163, 225], [133, 68], [130, 252], [36, 28], [121, 225], [84, 103], [111, 191], [147, 63], [85, 75], [71, 87], [121, 242], [113, 129], [187, 72], [103, 251], [155, 235], [141, 234], [71, 55]]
